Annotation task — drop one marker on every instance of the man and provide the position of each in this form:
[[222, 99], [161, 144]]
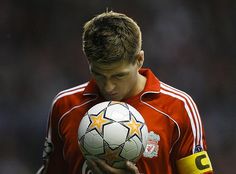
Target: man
[[176, 144]]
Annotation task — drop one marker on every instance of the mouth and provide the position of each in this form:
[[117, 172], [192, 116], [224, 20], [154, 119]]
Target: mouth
[[111, 96]]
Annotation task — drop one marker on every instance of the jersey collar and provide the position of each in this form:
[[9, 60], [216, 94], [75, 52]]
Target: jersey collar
[[152, 84], [91, 89]]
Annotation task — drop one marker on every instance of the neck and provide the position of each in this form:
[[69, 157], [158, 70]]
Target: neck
[[141, 81]]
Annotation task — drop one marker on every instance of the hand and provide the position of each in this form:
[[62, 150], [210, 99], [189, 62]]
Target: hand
[[99, 166]]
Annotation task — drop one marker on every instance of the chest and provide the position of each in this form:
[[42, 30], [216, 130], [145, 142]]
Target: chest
[[160, 127]]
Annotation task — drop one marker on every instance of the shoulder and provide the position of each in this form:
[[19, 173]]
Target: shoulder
[[68, 98], [180, 104], [69, 93], [176, 95]]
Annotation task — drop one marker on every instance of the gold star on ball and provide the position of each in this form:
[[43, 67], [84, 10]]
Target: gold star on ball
[[111, 155], [98, 121], [134, 127]]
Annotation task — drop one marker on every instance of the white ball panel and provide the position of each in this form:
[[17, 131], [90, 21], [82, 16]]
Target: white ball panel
[[115, 134], [132, 148], [93, 143], [117, 112], [136, 114], [144, 131], [98, 108], [83, 126]]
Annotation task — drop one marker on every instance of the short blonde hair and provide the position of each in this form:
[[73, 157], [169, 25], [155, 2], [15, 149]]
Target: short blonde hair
[[111, 37]]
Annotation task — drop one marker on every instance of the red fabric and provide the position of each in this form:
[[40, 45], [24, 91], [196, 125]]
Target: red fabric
[[171, 120]]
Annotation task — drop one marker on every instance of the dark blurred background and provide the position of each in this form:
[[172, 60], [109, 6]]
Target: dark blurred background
[[188, 44]]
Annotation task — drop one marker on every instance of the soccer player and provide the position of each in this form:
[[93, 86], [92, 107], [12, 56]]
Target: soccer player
[[176, 144]]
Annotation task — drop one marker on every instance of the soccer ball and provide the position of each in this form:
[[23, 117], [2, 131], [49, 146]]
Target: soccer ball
[[113, 131]]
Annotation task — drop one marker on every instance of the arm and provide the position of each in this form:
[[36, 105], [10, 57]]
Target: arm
[[191, 151], [53, 161]]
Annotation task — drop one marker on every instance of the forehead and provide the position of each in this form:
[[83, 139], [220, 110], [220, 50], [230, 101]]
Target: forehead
[[112, 68]]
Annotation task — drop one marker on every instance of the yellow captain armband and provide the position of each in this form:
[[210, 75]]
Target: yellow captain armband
[[198, 163]]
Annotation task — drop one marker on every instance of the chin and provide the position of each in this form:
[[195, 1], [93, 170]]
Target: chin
[[113, 98]]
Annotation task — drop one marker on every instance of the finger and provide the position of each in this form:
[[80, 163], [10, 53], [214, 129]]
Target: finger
[[109, 169], [132, 167], [104, 166], [92, 165]]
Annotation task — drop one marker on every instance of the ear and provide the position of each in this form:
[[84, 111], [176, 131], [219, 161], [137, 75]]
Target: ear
[[140, 59]]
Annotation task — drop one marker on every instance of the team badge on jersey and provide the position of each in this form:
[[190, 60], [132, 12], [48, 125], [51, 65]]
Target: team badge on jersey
[[48, 148], [152, 145], [85, 169], [198, 148]]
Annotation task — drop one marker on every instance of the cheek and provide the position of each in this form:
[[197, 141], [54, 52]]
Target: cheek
[[132, 78], [121, 86], [99, 83], [125, 85]]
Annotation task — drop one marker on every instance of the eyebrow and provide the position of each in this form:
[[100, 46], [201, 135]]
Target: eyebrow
[[119, 73], [95, 72]]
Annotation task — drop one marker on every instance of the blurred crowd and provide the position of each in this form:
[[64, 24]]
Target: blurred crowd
[[189, 44]]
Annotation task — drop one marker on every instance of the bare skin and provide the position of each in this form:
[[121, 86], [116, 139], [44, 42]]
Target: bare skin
[[99, 166], [119, 80]]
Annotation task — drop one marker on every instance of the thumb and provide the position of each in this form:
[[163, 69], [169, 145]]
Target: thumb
[[132, 167]]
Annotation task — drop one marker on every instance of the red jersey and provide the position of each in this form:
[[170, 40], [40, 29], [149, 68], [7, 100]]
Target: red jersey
[[171, 116]]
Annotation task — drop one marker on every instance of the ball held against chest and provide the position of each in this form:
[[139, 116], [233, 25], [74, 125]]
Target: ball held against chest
[[113, 131]]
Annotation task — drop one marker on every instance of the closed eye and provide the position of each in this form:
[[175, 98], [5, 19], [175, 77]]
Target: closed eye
[[97, 74], [120, 76]]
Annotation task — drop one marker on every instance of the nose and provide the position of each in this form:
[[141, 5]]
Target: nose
[[109, 86]]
